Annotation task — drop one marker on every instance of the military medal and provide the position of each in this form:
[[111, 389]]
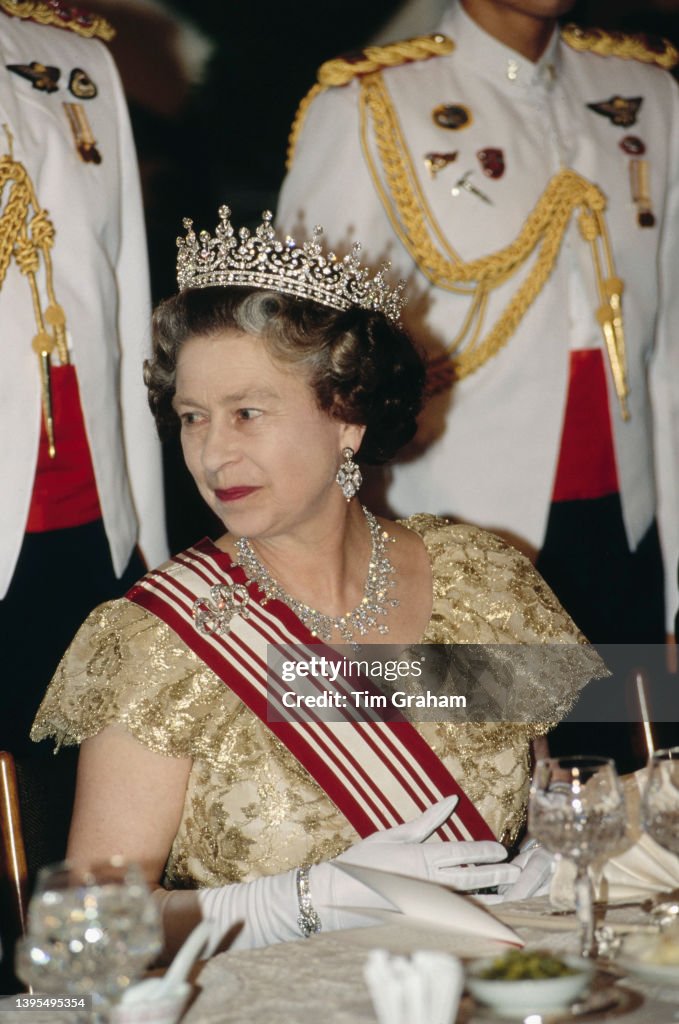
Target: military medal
[[620, 110], [464, 184], [41, 76], [81, 85], [435, 162], [632, 145], [641, 194], [85, 142], [492, 162], [452, 116]]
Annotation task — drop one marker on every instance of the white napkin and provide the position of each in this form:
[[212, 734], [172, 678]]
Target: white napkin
[[639, 871], [422, 989], [430, 902]]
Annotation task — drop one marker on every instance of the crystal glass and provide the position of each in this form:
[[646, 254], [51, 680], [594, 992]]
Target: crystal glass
[[577, 811], [89, 932], [660, 818], [660, 801]]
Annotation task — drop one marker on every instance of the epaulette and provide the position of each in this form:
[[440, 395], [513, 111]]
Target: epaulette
[[341, 70], [646, 48], [60, 15]]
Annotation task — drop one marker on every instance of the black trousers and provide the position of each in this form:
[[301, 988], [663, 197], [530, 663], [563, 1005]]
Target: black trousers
[[60, 577], [614, 595]]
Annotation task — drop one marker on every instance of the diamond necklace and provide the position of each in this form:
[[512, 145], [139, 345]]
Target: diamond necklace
[[360, 619]]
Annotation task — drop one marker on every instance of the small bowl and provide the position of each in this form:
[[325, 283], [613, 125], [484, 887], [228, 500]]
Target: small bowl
[[517, 997], [653, 958]]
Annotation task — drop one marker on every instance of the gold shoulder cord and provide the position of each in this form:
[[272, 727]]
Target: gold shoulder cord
[[62, 16], [26, 233], [618, 44], [543, 231], [340, 71]]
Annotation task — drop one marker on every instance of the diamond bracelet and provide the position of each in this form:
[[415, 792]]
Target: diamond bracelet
[[308, 920]]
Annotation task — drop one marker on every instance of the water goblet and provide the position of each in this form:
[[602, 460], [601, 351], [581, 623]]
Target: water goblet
[[660, 800], [90, 932], [577, 811], [660, 817]]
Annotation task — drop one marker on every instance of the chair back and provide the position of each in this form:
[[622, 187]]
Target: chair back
[[36, 801], [13, 861], [13, 872]]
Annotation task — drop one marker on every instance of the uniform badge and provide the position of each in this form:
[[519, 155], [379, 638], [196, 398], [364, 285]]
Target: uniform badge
[[85, 142], [463, 184], [641, 193], [435, 162], [41, 76], [632, 145], [81, 85], [452, 116], [492, 161], [621, 110]]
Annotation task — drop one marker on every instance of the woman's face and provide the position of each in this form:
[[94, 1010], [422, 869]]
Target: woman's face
[[262, 454]]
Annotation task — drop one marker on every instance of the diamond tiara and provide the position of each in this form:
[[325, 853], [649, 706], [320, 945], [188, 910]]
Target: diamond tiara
[[261, 260]]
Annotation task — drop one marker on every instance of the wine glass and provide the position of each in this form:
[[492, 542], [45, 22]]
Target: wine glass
[[660, 818], [90, 932], [660, 801], [577, 811]]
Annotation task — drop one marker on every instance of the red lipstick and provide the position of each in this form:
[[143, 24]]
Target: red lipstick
[[234, 493]]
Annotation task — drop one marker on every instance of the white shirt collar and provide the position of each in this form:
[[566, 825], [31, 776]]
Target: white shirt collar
[[493, 59]]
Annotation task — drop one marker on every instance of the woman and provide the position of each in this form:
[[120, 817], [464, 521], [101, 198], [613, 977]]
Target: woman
[[279, 364]]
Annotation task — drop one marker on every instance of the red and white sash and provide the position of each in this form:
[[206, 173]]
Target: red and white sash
[[377, 773]]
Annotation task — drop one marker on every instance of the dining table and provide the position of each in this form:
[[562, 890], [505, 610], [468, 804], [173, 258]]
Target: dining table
[[320, 980]]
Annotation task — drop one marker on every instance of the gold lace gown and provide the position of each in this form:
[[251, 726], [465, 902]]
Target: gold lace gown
[[250, 808]]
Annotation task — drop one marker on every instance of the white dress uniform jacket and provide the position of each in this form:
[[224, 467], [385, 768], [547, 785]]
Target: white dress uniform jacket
[[100, 279], [494, 439]]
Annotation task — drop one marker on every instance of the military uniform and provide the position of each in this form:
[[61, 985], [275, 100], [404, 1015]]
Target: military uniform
[[522, 203], [81, 467]]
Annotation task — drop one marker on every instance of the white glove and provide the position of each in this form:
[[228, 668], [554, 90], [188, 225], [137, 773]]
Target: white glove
[[537, 868], [463, 866], [268, 907], [265, 911]]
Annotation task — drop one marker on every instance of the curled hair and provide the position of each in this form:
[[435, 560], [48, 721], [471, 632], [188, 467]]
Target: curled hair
[[362, 368]]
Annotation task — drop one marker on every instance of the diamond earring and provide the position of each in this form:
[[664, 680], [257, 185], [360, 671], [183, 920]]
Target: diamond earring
[[349, 475]]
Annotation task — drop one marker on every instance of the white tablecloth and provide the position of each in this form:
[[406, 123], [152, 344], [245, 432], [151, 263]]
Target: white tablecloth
[[320, 980]]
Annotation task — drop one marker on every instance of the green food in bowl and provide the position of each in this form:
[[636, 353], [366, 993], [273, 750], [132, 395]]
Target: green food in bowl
[[520, 965], [519, 983]]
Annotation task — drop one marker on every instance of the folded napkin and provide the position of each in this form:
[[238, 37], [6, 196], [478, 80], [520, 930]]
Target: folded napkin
[[422, 989], [434, 904], [640, 870]]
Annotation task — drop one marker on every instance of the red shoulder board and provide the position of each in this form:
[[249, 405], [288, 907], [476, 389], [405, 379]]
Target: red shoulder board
[[60, 15]]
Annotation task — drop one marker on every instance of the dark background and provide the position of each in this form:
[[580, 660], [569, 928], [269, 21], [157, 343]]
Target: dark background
[[224, 138]]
